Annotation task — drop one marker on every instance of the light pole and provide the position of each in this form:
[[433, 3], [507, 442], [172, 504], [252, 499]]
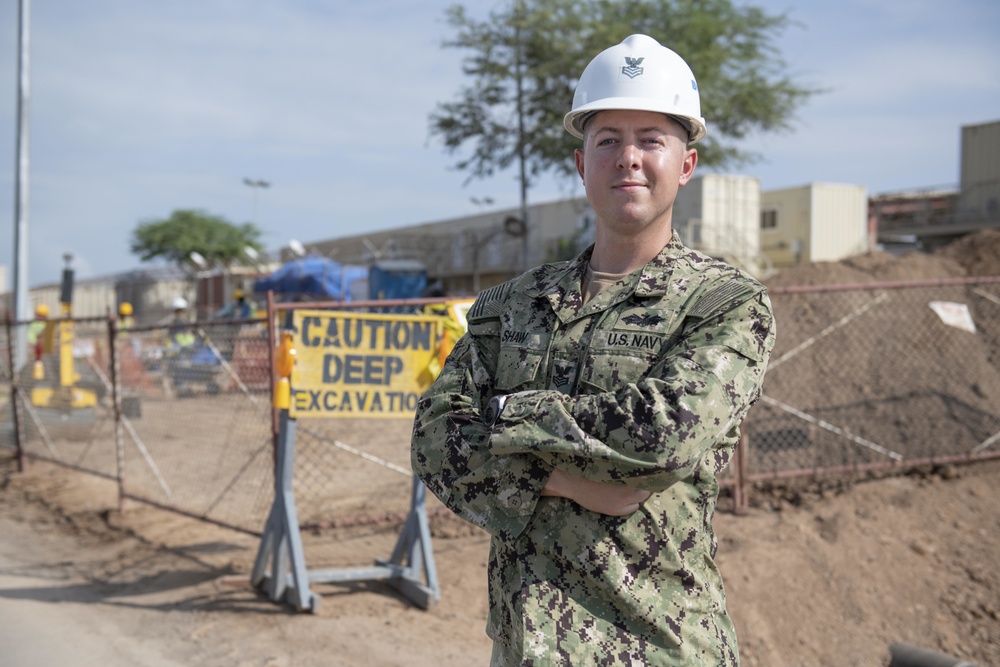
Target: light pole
[[255, 184], [21, 188]]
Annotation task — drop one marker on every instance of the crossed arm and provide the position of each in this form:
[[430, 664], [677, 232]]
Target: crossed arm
[[597, 497], [606, 451]]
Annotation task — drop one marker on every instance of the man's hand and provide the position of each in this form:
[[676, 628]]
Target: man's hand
[[595, 496]]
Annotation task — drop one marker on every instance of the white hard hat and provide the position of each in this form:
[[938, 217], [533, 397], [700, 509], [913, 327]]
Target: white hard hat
[[639, 74], [179, 303]]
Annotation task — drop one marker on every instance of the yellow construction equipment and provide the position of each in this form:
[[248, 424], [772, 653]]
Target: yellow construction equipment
[[56, 384]]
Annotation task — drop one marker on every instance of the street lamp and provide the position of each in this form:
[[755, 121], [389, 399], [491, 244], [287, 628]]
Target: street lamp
[[255, 184], [198, 259]]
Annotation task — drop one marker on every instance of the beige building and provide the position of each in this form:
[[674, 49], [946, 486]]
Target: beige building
[[715, 213], [466, 255], [819, 222], [150, 291], [726, 216]]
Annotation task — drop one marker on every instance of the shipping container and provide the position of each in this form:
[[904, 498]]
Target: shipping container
[[814, 223], [719, 214]]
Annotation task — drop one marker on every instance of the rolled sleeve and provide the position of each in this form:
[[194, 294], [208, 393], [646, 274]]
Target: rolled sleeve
[[450, 454]]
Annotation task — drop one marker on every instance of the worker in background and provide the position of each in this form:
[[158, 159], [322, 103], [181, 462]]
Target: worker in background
[[241, 308], [126, 322], [125, 319], [37, 328], [180, 332]]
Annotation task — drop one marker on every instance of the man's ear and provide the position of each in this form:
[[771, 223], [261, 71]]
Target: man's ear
[[687, 168], [578, 156]]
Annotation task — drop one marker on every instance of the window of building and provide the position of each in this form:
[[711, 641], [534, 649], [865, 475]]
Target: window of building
[[769, 219]]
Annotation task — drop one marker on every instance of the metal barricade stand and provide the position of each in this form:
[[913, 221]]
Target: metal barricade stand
[[288, 579]]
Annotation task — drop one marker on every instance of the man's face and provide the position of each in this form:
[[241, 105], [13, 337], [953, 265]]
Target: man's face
[[632, 164]]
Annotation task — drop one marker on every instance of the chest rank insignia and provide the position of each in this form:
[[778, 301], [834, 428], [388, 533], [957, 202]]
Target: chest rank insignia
[[632, 69]]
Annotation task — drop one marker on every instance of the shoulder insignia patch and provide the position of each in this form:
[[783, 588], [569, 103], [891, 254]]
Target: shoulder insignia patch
[[723, 298], [489, 303]]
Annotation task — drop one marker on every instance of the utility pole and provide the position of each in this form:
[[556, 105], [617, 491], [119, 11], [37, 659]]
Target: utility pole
[[21, 310], [521, 158]]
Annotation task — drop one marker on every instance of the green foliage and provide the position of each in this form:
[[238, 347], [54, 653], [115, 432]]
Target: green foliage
[[220, 242], [567, 247], [562, 250], [542, 46]]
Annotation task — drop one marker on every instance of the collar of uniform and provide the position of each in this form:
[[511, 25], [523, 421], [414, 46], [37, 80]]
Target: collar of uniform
[[562, 286], [657, 274], [564, 279]]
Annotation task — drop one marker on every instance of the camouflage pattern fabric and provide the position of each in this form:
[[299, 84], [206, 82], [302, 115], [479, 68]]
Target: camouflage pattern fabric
[[644, 386]]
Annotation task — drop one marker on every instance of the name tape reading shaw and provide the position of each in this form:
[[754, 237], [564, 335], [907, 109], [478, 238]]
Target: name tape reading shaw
[[360, 364]]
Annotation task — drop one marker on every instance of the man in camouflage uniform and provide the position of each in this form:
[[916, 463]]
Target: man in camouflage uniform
[[586, 415]]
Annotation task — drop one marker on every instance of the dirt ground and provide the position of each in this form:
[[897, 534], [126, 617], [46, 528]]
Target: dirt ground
[[826, 574], [818, 573]]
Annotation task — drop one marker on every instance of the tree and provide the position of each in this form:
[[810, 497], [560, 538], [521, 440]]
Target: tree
[[188, 231], [526, 58]]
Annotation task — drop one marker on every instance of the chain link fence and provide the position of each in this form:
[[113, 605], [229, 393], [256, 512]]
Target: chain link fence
[[196, 416], [884, 375], [891, 375], [192, 431], [59, 397]]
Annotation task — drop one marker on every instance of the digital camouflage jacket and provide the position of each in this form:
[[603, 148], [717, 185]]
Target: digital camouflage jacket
[[644, 386]]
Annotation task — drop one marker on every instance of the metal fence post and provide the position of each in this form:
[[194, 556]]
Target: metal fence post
[[116, 399], [281, 544], [741, 492], [272, 341], [16, 414]]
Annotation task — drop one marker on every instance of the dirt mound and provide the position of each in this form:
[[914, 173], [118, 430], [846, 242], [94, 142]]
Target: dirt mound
[[887, 368], [972, 255], [978, 253]]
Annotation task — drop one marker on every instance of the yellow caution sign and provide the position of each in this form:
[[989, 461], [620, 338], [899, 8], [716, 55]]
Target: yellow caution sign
[[453, 327], [360, 364]]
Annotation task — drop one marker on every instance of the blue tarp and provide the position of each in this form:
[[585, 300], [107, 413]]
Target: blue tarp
[[397, 279], [312, 276]]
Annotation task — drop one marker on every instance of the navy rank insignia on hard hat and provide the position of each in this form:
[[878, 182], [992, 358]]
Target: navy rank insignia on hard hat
[[632, 69]]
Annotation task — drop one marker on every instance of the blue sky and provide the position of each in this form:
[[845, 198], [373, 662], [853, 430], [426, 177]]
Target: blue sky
[[138, 109]]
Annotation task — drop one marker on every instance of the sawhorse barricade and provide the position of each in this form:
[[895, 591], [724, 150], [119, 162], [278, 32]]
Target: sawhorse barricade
[[287, 580]]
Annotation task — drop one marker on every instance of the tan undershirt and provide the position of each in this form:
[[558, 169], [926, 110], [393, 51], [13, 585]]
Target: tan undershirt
[[595, 282]]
